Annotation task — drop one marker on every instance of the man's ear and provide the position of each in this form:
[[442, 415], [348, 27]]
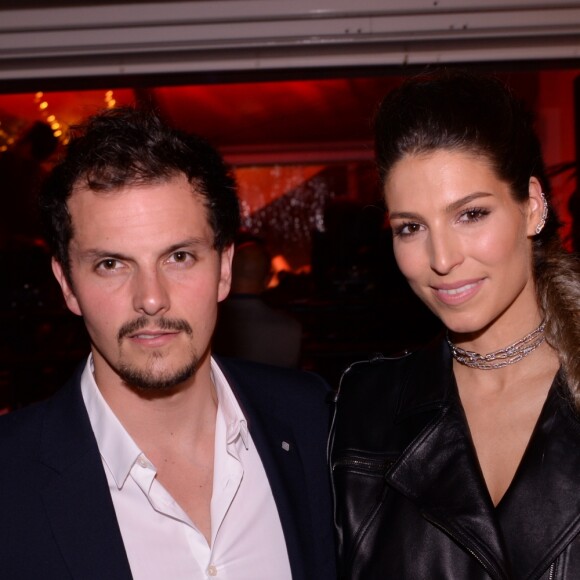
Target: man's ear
[[536, 206], [225, 281], [67, 291]]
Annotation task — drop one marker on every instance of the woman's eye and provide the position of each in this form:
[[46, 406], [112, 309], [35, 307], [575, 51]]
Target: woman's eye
[[473, 214], [406, 229]]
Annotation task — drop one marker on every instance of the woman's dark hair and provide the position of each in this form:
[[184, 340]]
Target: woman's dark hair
[[477, 114], [127, 146]]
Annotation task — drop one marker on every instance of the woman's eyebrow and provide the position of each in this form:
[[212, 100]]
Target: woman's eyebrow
[[451, 208], [454, 206], [405, 215]]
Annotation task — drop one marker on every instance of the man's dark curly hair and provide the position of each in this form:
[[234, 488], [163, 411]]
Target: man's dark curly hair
[[126, 147]]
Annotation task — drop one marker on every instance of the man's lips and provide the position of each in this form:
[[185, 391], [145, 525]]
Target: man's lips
[[163, 326], [154, 338], [150, 333]]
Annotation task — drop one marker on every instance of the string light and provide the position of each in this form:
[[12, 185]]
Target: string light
[[110, 102], [50, 119], [3, 138], [59, 128], [8, 141]]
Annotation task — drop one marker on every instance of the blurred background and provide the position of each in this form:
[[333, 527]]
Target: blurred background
[[287, 92]]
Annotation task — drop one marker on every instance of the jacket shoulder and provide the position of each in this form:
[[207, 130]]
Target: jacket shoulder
[[383, 376], [59, 421], [278, 389], [20, 429], [377, 382], [374, 394], [368, 395]]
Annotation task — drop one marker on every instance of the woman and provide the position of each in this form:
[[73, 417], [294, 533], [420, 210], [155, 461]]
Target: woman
[[448, 463]]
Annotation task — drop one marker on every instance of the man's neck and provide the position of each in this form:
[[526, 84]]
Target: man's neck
[[176, 432], [173, 419]]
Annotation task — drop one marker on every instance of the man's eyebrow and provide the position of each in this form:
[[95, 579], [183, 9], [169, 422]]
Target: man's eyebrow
[[189, 243], [452, 207], [98, 254], [103, 253]]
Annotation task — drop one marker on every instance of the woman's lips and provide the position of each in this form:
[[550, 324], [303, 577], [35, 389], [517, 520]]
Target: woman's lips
[[457, 293]]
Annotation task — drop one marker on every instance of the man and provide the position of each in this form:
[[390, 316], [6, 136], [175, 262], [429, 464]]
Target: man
[[157, 461]]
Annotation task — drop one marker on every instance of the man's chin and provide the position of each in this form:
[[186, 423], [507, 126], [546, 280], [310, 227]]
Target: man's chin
[[147, 381]]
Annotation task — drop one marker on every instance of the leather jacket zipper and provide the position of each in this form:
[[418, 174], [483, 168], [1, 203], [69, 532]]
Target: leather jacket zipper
[[485, 565], [552, 571], [368, 464]]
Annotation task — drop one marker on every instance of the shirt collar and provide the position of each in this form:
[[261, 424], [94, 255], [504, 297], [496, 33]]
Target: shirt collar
[[119, 451], [116, 446], [236, 424]]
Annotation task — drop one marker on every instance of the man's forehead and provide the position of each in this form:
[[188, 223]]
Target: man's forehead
[[84, 193], [158, 209], [102, 187]]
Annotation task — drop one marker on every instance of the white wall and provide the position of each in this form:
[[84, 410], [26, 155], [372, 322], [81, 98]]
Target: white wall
[[238, 35]]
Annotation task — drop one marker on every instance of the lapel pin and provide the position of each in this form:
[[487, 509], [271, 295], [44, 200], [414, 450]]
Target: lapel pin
[[285, 446]]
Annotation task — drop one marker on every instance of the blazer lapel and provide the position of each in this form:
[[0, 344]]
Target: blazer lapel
[[280, 454], [76, 496], [439, 470], [279, 447], [540, 511]]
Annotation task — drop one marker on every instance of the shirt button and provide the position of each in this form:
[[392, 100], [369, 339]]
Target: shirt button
[[142, 462], [211, 570]]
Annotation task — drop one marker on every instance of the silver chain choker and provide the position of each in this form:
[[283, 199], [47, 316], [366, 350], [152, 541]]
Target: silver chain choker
[[504, 356]]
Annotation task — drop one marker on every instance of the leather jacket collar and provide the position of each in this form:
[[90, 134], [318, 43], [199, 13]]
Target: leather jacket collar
[[539, 514]]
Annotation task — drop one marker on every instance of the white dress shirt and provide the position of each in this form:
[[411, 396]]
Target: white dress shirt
[[161, 541]]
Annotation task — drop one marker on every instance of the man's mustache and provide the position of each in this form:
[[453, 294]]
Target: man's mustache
[[159, 323]]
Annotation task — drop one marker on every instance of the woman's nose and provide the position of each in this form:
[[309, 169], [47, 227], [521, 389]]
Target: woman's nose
[[445, 252]]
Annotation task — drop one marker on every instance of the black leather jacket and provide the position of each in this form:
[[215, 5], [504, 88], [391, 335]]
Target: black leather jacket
[[411, 502]]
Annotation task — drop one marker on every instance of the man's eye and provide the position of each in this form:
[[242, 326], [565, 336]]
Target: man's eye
[[109, 264], [181, 257]]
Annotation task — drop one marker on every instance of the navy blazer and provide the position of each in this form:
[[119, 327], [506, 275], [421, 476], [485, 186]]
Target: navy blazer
[[57, 519]]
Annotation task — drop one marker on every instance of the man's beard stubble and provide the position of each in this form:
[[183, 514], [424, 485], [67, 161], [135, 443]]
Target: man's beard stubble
[[146, 380]]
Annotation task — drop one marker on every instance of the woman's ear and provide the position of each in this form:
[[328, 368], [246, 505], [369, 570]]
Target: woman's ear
[[537, 208]]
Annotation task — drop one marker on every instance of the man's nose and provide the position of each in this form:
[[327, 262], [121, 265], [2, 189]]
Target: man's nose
[[150, 295]]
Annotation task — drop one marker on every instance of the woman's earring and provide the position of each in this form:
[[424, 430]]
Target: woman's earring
[[542, 222]]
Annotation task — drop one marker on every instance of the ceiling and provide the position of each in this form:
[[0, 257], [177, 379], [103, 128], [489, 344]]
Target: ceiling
[[62, 40], [26, 4], [279, 121], [248, 120]]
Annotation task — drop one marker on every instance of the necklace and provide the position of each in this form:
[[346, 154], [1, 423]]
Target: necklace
[[504, 356]]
